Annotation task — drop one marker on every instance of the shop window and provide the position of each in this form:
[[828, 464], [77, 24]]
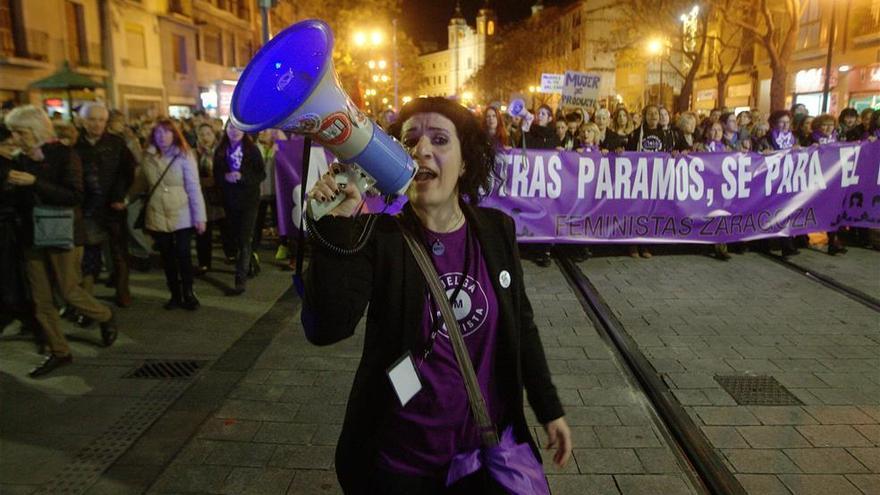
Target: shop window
[[808, 35], [178, 44], [491, 28], [135, 46]]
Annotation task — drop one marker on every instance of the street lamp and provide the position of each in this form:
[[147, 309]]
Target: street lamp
[[359, 38], [655, 47]]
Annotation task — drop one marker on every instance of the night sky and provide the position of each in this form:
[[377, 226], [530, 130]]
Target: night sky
[[426, 20]]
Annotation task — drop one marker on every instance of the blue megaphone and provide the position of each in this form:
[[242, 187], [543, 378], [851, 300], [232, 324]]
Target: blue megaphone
[[290, 84]]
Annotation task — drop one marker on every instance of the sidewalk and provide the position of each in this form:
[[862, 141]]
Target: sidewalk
[[46, 424], [277, 430], [696, 318]]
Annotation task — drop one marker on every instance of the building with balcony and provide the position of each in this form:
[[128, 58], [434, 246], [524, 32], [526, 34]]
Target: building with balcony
[[855, 62], [226, 40], [576, 38], [36, 38], [445, 72]]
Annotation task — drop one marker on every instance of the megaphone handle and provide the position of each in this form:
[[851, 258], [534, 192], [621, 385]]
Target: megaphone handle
[[318, 209]]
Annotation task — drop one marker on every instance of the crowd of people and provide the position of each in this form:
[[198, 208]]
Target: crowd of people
[[100, 192], [134, 187], [656, 129]]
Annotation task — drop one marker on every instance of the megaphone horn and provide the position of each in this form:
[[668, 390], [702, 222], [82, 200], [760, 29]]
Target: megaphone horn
[[291, 84]]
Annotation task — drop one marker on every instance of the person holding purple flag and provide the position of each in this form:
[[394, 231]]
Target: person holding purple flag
[[427, 441]]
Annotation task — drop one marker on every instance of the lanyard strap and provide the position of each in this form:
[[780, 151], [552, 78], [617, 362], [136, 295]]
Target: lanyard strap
[[479, 410]]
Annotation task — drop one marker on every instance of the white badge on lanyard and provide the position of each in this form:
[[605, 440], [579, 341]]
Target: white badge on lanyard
[[404, 378]]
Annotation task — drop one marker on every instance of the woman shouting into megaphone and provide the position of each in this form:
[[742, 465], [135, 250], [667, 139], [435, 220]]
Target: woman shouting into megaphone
[[412, 424]]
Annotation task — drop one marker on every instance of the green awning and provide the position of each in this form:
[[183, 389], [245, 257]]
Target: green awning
[[66, 79]]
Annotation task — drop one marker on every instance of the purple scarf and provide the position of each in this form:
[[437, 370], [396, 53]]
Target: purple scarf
[[820, 138], [783, 140], [715, 146]]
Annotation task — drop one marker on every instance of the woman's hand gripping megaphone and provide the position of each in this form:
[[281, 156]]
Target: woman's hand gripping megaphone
[[339, 192]]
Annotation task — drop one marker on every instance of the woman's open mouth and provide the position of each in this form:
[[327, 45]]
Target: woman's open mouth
[[424, 175]]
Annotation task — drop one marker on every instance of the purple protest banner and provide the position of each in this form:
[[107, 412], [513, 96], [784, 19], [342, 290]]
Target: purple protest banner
[[288, 177], [569, 197]]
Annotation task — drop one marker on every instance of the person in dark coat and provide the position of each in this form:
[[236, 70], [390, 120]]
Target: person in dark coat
[[15, 300], [649, 136], [617, 135], [239, 170], [51, 175], [385, 447], [541, 134], [113, 163]]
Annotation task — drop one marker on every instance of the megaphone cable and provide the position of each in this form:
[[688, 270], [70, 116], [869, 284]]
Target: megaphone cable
[[365, 235]]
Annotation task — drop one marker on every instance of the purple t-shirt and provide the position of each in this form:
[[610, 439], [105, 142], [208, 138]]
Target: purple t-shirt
[[436, 424]]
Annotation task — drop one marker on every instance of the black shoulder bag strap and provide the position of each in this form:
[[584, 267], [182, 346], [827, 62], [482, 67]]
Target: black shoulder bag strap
[[488, 433], [156, 185]]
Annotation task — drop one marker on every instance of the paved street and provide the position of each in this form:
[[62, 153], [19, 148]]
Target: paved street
[[264, 413], [696, 318], [277, 430], [48, 423]]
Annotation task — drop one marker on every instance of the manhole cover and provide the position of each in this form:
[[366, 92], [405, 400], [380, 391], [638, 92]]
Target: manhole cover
[[757, 390], [166, 369]]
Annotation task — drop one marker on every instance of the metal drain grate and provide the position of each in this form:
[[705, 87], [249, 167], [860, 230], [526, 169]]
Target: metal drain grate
[[166, 369], [757, 390]]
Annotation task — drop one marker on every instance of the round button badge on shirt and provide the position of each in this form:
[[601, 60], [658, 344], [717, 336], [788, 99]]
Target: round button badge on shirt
[[504, 279]]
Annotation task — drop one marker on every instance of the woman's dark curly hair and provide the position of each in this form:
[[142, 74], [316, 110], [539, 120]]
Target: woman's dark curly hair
[[477, 150]]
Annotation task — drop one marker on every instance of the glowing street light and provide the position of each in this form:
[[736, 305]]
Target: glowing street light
[[407, 99], [655, 46], [371, 64], [382, 64], [376, 37], [384, 101], [360, 38], [531, 89], [384, 78], [468, 95], [375, 77]]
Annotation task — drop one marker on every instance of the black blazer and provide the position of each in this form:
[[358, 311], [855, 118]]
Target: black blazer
[[385, 275], [244, 194]]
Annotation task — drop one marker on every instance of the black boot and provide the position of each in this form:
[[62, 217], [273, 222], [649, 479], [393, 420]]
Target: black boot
[[239, 287], [189, 302], [176, 300], [109, 331]]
